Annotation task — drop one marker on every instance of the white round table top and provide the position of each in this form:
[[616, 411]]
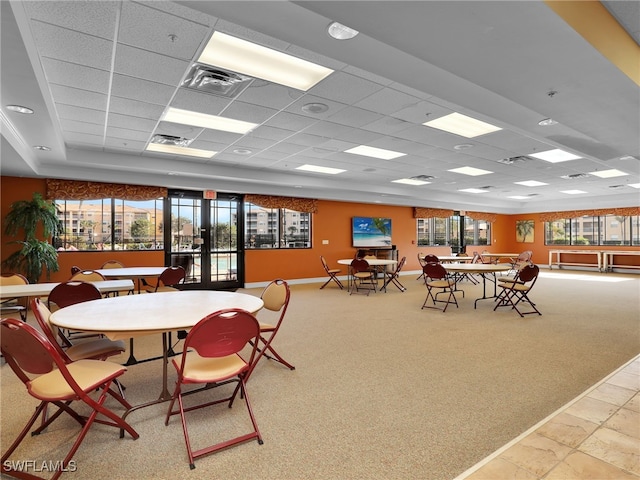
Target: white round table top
[[131, 272], [371, 261], [130, 315], [476, 267]]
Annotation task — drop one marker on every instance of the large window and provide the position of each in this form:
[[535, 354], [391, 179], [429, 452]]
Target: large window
[[109, 224], [446, 231], [589, 230], [276, 228]]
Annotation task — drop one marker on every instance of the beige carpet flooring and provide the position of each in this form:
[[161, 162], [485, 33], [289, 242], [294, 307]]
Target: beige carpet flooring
[[381, 390]]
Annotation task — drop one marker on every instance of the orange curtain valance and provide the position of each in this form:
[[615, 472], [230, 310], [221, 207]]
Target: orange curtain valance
[[78, 190], [421, 212], [489, 217], [620, 212], [309, 205]]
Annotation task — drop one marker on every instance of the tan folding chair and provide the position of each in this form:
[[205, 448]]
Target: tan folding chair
[[112, 264], [437, 280], [10, 306], [332, 272], [276, 297], [212, 357], [51, 380]]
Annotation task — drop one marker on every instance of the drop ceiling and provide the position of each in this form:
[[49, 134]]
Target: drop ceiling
[[99, 76]]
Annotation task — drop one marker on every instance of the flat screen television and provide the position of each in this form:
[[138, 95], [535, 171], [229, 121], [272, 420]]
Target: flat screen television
[[371, 232]]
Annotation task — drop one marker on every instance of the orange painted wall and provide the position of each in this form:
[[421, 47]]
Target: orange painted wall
[[18, 188], [332, 223]]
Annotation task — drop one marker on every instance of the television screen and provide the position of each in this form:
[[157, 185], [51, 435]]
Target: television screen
[[371, 232]]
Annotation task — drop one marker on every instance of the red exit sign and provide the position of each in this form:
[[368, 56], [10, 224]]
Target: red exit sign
[[210, 194]]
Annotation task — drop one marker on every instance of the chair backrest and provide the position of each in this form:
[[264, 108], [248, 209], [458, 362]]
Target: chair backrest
[[359, 265], [26, 350], [185, 261], [434, 271], [529, 274], [112, 264], [431, 258], [172, 276], [421, 260], [476, 258], [75, 269], [87, 276], [13, 279], [324, 264], [524, 256], [72, 292], [276, 296], [223, 333], [400, 265], [42, 314]]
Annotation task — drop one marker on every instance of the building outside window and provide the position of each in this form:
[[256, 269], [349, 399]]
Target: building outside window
[[276, 228], [109, 224], [589, 230]]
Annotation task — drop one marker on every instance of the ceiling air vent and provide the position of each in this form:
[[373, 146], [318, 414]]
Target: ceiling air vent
[[171, 140], [512, 160], [215, 80], [574, 176], [616, 186], [423, 177]]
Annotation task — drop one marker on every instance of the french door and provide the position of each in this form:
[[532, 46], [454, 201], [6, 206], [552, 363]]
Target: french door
[[205, 237]]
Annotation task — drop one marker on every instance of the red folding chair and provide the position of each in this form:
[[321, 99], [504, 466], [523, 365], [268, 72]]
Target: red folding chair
[[212, 357], [51, 380]]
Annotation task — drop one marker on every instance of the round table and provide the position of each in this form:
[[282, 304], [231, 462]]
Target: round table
[[482, 269], [148, 313]]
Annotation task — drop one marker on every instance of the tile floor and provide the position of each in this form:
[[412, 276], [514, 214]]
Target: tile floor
[[595, 436]]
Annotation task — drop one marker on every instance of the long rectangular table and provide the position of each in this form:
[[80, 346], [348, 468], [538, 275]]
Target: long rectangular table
[[44, 289], [558, 261]]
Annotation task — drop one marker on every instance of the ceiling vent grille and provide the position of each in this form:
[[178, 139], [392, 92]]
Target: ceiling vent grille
[[215, 80], [512, 160], [574, 176], [171, 140], [423, 177], [616, 186]]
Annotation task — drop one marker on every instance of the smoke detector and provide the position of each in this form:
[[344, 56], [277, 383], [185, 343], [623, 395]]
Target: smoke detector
[[215, 80], [171, 140]]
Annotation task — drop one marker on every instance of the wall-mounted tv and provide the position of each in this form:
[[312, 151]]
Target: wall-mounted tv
[[371, 232]]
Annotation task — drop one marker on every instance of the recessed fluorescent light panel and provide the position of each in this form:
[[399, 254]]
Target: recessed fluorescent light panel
[[375, 152], [572, 192], [410, 181], [634, 185], [474, 172], [187, 117], [462, 125], [191, 152], [319, 169], [519, 197], [474, 190], [261, 62], [554, 156], [608, 173], [531, 183]]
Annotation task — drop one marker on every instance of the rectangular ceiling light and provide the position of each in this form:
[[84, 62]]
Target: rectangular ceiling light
[[374, 152], [572, 192], [554, 156], [520, 197], [261, 62], [531, 183], [174, 149], [474, 172], [609, 173], [474, 190], [187, 117], [634, 185], [462, 125], [410, 181], [319, 169]]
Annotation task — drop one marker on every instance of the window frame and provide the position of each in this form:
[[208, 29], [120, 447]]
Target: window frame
[[279, 224]]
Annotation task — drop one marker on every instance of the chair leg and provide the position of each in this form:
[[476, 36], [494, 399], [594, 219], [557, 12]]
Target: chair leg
[[276, 356]]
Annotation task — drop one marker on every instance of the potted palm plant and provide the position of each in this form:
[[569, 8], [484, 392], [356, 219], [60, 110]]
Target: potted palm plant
[[35, 255]]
